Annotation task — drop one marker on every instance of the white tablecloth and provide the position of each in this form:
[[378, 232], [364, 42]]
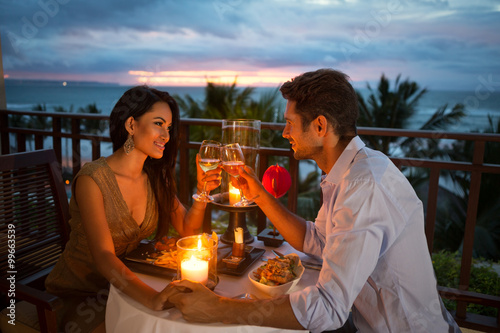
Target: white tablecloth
[[123, 314]]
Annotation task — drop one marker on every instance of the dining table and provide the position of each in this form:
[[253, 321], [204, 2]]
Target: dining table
[[124, 314]]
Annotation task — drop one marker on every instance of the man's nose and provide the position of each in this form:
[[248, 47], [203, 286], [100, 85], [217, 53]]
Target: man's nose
[[285, 132]]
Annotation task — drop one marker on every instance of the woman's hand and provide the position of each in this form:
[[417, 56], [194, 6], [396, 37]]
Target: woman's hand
[[195, 301], [160, 300], [212, 177]]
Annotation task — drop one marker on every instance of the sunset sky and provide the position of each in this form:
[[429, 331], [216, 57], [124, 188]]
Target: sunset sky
[[443, 45]]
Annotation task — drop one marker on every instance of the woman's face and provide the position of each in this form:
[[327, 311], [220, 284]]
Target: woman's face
[[152, 130]]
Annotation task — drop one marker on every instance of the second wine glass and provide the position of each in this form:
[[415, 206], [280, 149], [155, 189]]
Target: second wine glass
[[232, 159], [209, 160]]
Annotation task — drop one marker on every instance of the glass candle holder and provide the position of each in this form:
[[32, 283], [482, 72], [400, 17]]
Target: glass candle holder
[[197, 260], [245, 132]]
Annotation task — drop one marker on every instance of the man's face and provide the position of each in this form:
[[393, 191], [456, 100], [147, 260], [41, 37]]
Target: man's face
[[305, 143]]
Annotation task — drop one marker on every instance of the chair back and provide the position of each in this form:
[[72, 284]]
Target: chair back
[[34, 214]]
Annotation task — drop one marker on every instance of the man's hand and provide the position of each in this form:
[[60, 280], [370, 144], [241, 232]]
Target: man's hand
[[160, 300], [200, 305], [250, 184]]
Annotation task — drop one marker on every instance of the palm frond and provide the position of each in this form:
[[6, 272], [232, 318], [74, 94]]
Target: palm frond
[[441, 119]]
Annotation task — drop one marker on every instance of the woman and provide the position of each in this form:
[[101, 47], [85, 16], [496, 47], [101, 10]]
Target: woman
[[118, 201]]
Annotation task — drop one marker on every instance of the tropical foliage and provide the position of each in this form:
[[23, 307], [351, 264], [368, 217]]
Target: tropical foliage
[[393, 107], [229, 102], [487, 230], [484, 279]]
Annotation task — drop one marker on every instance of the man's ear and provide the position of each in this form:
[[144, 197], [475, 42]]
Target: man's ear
[[130, 125], [321, 125]]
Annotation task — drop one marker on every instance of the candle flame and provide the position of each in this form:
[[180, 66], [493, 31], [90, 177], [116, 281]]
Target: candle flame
[[199, 244]]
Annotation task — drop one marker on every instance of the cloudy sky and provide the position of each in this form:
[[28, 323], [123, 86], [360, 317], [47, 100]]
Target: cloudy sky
[[441, 44]]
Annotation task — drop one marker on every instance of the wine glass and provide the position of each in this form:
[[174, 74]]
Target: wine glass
[[209, 160], [232, 159]]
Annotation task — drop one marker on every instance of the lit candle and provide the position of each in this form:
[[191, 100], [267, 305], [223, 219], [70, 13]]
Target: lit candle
[[234, 195], [195, 269], [238, 245], [238, 235]]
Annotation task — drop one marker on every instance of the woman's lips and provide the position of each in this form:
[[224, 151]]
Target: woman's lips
[[160, 145]]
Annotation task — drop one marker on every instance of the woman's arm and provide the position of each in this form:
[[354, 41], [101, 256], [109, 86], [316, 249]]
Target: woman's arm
[[190, 222], [91, 206]]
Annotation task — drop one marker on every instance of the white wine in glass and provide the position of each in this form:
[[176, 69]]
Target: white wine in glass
[[209, 160], [232, 159]]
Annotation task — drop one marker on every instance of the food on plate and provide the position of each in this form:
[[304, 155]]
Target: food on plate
[[166, 255], [166, 259], [166, 244], [276, 272]]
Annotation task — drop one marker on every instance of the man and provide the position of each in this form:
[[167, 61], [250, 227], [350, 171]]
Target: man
[[369, 230]]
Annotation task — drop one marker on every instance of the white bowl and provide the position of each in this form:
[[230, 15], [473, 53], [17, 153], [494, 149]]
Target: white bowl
[[275, 291]]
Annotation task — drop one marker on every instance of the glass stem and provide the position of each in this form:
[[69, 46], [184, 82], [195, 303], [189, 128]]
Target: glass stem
[[204, 192], [243, 199]]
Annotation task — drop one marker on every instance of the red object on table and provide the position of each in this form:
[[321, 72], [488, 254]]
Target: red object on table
[[276, 180]]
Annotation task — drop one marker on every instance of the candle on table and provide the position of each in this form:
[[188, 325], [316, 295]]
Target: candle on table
[[195, 269], [238, 245], [238, 235], [234, 195]]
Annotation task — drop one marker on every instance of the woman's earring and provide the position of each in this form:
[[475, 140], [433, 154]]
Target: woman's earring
[[128, 146]]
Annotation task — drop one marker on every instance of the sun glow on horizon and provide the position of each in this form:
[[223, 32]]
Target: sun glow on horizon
[[200, 78]]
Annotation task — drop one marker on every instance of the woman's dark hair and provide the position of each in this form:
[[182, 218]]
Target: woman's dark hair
[[134, 103], [325, 92]]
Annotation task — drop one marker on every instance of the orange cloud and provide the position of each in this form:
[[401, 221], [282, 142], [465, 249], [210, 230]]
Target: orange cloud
[[200, 78]]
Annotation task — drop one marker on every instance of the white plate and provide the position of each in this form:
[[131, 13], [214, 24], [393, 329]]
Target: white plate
[[275, 291]]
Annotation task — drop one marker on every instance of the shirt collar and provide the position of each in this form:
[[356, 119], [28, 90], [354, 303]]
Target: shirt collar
[[343, 162]]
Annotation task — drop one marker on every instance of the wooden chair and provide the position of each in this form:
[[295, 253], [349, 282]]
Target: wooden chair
[[34, 216]]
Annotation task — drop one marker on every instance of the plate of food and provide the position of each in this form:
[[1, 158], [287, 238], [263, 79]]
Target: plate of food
[[160, 257], [278, 276], [154, 257]]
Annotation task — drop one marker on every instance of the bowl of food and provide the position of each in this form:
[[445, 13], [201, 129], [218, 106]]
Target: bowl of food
[[278, 276]]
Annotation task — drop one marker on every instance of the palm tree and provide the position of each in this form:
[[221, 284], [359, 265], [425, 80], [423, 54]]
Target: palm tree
[[394, 108], [66, 127], [487, 231], [39, 122], [91, 126], [16, 121]]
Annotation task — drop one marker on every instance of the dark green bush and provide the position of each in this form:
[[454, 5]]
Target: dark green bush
[[483, 279]]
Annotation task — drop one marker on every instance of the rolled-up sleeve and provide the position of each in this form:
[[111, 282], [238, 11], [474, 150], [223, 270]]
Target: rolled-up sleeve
[[314, 241]]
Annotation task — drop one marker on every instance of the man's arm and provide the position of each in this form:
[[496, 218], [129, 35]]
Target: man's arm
[[202, 305], [292, 227]]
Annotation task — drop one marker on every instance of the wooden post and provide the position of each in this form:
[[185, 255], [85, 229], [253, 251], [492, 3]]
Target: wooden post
[[3, 97]]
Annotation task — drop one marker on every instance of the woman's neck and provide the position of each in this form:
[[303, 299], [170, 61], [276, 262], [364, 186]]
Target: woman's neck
[[129, 166]]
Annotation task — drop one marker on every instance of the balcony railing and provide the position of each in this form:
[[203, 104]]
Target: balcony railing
[[15, 139]]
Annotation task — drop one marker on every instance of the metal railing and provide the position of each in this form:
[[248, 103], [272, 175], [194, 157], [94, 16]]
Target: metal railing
[[476, 167]]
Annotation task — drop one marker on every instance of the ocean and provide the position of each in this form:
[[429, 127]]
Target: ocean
[[24, 95]]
